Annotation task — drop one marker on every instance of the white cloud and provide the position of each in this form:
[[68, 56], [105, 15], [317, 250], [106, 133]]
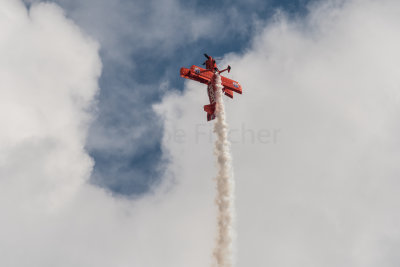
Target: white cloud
[[49, 74], [325, 194], [50, 215]]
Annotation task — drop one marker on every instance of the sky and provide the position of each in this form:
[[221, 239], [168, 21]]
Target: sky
[[106, 159], [142, 45]]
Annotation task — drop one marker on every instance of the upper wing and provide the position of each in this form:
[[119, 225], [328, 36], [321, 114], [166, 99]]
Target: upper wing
[[204, 76], [197, 73], [231, 85]]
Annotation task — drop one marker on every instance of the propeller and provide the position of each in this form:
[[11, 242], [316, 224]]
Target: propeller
[[218, 58]]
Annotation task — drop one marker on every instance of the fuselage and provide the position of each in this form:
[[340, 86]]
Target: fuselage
[[211, 64], [207, 76]]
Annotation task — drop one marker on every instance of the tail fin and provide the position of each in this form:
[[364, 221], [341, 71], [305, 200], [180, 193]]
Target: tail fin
[[210, 109]]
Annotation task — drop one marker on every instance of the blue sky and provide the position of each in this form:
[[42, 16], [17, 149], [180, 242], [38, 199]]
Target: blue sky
[[142, 46]]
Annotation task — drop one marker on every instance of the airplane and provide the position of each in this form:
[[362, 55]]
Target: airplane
[[206, 76]]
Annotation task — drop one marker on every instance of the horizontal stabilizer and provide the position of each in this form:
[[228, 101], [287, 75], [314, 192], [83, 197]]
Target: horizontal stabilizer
[[210, 117], [210, 109]]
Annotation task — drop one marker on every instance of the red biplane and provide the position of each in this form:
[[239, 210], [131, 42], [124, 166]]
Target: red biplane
[[206, 76]]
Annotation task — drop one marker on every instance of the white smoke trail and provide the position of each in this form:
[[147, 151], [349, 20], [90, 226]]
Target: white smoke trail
[[225, 185]]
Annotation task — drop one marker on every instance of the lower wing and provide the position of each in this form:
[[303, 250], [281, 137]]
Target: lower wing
[[231, 85]]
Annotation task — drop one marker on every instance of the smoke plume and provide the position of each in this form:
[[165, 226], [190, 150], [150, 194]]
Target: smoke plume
[[225, 185]]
